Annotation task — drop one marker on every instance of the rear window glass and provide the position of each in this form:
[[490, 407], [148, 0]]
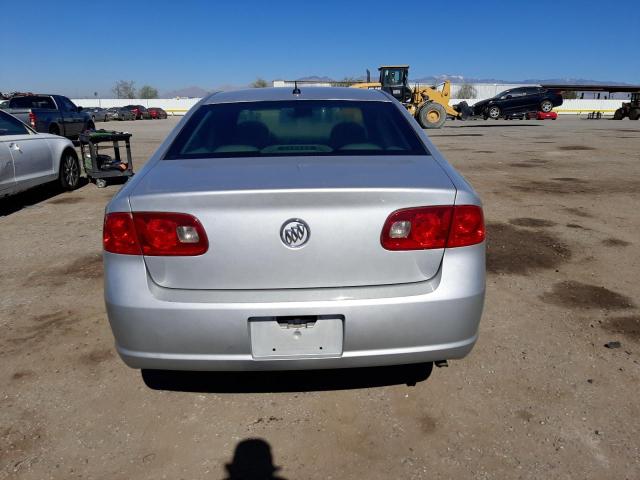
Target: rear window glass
[[32, 102], [293, 128]]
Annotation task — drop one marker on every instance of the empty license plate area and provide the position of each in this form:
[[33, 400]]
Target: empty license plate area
[[296, 336]]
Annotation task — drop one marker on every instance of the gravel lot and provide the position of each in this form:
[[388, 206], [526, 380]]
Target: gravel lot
[[540, 397]]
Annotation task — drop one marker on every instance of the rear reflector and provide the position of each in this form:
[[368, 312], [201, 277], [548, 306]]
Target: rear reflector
[[154, 234], [424, 228]]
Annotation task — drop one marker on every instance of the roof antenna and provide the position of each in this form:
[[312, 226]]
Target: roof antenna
[[296, 90]]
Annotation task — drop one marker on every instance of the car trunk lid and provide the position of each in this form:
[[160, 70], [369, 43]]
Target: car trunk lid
[[243, 204]]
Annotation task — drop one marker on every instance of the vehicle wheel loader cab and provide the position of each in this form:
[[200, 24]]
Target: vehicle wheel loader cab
[[394, 80], [431, 115]]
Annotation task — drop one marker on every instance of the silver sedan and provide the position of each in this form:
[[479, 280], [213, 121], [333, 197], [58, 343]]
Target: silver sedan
[[29, 158], [294, 230]]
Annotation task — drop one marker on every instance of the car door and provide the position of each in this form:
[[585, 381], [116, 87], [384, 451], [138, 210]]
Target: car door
[[514, 101], [7, 175], [74, 120], [532, 98], [30, 153]]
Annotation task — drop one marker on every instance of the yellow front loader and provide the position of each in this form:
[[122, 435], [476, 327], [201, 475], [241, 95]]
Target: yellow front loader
[[429, 105]]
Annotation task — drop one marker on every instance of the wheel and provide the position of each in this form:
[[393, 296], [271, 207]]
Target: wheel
[[69, 176], [546, 106], [634, 114], [432, 115], [101, 182], [54, 130], [619, 114], [494, 112]]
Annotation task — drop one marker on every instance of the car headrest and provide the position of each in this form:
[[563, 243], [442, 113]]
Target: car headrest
[[251, 133], [346, 133]]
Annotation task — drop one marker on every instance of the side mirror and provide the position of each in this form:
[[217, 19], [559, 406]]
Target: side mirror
[[79, 109]]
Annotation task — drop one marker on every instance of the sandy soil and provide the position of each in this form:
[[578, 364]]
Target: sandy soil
[[540, 396]]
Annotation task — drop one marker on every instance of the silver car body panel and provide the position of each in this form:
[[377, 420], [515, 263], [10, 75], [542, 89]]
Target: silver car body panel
[[33, 159], [194, 312]]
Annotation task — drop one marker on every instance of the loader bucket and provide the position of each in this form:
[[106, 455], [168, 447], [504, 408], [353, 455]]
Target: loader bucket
[[464, 110]]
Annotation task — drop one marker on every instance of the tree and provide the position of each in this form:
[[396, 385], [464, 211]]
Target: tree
[[124, 89], [147, 91], [466, 90], [259, 83]]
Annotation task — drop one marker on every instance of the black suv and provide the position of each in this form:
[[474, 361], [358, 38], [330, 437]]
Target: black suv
[[518, 100]]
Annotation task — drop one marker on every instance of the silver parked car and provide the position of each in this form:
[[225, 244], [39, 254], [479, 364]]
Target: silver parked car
[[29, 159], [281, 230], [98, 114]]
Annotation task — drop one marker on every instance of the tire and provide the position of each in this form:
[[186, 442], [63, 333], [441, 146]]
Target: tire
[[69, 174], [634, 114], [54, 130], [619, 114], [432, 115], [546, 106], [494, 112]]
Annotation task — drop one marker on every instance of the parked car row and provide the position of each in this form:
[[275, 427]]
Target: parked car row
[[128, 112]]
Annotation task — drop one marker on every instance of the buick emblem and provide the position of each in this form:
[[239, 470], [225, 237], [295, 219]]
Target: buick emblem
[[294, 233]]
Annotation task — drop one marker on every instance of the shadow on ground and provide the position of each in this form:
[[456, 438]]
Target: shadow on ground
[[252, 460], [488, 125], [288, 381], [32, 197]]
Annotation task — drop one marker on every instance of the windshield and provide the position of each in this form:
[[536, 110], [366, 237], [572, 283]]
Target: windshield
[[293, 128]]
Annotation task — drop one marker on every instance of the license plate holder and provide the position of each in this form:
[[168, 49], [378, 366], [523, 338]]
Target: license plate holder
[[296, 336]]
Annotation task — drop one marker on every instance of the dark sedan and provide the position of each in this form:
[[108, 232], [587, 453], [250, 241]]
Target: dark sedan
[[518, 100], [120, 113], [139, 111]]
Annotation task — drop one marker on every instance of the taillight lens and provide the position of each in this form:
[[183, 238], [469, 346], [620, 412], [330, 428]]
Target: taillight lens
[[467, 227], [424, 228], [154, 234], [32, 119], [119, 234]]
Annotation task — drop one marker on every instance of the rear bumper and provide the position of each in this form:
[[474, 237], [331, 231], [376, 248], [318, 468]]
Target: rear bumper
[[158, 328]]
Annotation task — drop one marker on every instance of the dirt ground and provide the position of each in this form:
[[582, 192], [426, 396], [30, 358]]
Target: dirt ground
[[540, 397]]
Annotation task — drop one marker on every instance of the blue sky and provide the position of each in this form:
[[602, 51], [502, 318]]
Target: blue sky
[[77, 48]]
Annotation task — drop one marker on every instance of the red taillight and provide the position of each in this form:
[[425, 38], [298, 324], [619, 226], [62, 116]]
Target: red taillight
[[425, 228], [32, 119], [119, 234], [467, 227], [154, 234]]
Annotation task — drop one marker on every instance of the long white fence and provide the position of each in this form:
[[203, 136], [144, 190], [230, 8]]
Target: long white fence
[[180, 106]]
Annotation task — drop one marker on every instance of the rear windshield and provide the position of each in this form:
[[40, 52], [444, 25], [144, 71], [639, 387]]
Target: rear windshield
[[32, 102], [293, 128]]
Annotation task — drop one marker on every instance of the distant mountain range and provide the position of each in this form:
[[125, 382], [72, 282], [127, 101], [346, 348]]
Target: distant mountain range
[[198, 92]]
